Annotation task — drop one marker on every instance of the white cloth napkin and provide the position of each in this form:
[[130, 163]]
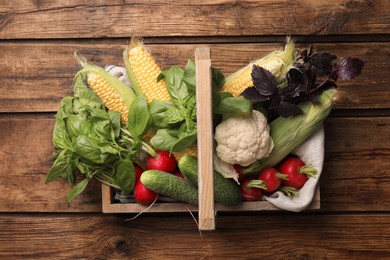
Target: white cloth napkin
[[311, 152], [119, 73]]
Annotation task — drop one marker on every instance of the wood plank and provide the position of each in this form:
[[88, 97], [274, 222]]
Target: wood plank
[[355, 177], [31, 84], [356, 172], [204, 119], [25, 156], [111, 206], [290, 236], [82, 19]]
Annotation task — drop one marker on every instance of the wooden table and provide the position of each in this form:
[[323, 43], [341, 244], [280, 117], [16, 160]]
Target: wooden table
[[37, 39]]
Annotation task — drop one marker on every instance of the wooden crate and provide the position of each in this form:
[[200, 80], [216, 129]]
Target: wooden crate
[[207, 208], [112, 206]]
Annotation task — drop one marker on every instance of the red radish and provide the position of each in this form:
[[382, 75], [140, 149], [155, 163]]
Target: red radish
[[178, 174], [144, 195], [249, 193], [163, 162], [272, 178], [138, 171], [238, 169], [297, 172]]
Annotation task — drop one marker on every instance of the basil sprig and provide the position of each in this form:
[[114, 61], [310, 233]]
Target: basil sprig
[[176, 121], [91, 141]]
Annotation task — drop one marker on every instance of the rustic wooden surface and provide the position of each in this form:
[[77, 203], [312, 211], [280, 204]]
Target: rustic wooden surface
[[37, 39]]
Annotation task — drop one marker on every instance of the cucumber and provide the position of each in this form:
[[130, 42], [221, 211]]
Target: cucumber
[[170, 185], [226, 191]]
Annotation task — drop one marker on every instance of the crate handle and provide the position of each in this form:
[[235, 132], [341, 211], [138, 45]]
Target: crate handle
[[206, 211]]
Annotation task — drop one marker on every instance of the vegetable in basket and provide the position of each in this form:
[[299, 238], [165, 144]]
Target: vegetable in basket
[[278, 63], [92, 138], [298, 104], [243, 140]]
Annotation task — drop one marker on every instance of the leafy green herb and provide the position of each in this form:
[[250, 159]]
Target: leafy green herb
[[78, 189], [233, 106], [302, 83], [124, 175], [91, 140], [139, 119], [177, 87], [176, 121]]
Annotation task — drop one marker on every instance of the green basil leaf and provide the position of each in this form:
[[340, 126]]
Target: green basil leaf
[[189, 77], [115, 119], [191, 108], [164, 139], [79, 84], [234, 106], [226, 95], [103, 129], [183, 142], [85, 96], [70, 176], [139, 119], [157, 110], [85, 168], [61, 167], [74, 125], [107, 149], [216, 97], [92, 149], [97, 113], [76, 190], [176, 87], [188, 128], [124, 175], [186, 136], [218, 78], [66, 106], [61, 139], [172, 116]]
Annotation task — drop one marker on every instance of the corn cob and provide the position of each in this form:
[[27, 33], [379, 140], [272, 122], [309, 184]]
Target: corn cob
[[143, 71], [113, 93], [288, 133], [277, 62], [191, 150]]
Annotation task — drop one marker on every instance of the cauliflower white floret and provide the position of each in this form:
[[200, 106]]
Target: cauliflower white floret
[[243, 140]]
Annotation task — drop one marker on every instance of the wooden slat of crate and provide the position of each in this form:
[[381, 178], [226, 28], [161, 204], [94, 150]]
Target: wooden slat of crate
[[110, 206]]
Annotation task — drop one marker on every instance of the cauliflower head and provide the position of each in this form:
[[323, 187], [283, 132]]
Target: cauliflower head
[[243, 140]]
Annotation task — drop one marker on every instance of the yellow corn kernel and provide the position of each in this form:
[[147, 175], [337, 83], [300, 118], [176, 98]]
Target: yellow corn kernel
[[143, 72], [277, 62], [108, 94], [191, 150]]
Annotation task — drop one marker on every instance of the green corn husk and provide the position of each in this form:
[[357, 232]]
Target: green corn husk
[[289, 133], [278, 62]]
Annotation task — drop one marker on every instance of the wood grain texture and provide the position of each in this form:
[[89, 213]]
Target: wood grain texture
[[25, 158], [290, 236], [101, 19], [355, 178], [205, 140], [35, 76], [357, 157]]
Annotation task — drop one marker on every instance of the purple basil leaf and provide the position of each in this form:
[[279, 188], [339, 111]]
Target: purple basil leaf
[[322, 63], [264, 81], [251, 93], [294, 75], [275, 102], [349, 68], [287, 109]]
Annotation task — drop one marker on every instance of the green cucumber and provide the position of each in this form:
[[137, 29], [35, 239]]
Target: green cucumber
[[226, 191], [170, 185]]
